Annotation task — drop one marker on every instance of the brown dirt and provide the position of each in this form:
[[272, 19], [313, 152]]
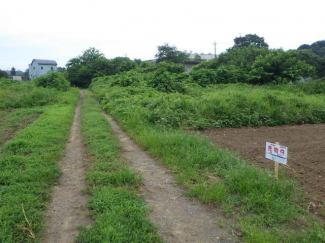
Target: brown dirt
[[178, 218], [11, 129], [306, 147], [67, 208]]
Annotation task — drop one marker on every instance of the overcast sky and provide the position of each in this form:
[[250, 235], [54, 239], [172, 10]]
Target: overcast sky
[[63, 29]]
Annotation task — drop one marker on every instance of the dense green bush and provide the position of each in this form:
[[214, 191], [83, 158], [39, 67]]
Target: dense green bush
[[52, 80], [15, 94], [204, 76], [228, 105], [279, 67]]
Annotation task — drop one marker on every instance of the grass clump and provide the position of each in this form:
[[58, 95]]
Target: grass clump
[[119, 214], [28, 168]]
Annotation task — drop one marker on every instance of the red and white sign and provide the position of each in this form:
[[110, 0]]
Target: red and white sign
[[276, 152]]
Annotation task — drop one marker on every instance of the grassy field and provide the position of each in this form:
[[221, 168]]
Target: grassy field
[[28, 161], [119, 214], [267, 211]]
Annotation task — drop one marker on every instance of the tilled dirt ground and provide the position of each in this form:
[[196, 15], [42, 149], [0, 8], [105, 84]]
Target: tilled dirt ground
[[306, 147], [67, 209], [177, 218]]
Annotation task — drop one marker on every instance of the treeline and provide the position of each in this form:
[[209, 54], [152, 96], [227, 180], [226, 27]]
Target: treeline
[[249, 61]]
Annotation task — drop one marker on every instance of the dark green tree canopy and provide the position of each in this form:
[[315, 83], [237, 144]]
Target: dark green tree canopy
[[170, 54], [91, 64], [13, 71], [250, 40], [317, 47], [3, 74]]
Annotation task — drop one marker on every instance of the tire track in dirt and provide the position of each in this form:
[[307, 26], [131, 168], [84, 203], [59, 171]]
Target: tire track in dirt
[[67, 209], [178, 218]]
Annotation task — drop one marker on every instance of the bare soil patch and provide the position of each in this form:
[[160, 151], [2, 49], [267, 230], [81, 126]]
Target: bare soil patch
[[67, 209], [306, 146], [178, 218], [8, 129]]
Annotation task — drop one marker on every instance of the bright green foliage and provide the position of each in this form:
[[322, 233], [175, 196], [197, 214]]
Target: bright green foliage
[[279, 67], [120, 215], [312, 59], [232, 105], [52, 80], [28, 168], [257, 66], [250, 40], [170, 54], [204, 76], [15, 94]]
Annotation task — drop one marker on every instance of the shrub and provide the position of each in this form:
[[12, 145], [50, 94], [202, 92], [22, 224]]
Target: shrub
[[204, 76], [52, 80]]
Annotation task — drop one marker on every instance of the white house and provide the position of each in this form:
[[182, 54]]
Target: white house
[[39, 67]]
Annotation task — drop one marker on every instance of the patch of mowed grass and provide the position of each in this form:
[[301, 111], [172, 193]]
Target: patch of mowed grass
[[28, 170], [274, 209], [119, 214]]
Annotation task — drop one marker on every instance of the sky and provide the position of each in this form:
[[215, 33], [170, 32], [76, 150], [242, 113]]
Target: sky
[[62, 29]]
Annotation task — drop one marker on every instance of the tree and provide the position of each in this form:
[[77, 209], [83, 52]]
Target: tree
[[53, 80], [3, 74], [26, 74], [279, 67], [317, 47], [13, 71], [170, 54], [82, 69], [119, 65], [250, 40]]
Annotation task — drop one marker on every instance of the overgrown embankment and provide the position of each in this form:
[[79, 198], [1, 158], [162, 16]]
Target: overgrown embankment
[[119, 214], [268, 211]]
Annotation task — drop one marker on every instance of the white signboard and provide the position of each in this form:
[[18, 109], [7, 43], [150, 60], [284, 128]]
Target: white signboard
[[276, 152]]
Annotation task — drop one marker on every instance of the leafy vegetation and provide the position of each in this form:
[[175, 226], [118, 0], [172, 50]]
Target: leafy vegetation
[[82, 69], [28, 163], [52, 80], [120, 215], [317, 47], [267, 211], [167, 53], [14, 94], [250, 40], [231, 105]]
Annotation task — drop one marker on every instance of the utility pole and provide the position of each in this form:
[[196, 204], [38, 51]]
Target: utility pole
[[215, 48]]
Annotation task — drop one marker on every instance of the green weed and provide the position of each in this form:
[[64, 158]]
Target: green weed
[[28, 169], [119, 214]]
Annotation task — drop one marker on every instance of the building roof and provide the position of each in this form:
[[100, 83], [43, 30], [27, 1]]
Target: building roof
[[45, 62]]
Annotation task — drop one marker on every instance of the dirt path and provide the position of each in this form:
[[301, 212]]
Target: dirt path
[[67, 209], [178, 219]]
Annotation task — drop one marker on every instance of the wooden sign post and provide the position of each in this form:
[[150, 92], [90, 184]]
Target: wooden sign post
[[277, 153]]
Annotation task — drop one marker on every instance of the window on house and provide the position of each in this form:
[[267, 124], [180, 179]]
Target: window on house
[[51, 68], [34, 68], [42, 68]]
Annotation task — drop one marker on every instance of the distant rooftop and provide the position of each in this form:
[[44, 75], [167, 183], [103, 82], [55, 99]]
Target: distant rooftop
[[45, 62]]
